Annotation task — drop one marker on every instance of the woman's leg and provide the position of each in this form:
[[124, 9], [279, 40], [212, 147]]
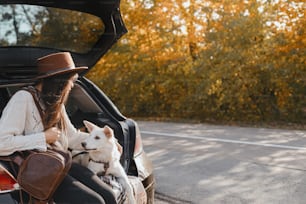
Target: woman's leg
[[72, 191], [88, 178]]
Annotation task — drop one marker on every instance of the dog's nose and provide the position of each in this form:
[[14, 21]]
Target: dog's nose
[[83, 144]]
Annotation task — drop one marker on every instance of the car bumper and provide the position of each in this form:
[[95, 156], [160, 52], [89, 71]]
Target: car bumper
[[145, 173]]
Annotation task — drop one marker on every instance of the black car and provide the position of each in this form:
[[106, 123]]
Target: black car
[[87, 29]]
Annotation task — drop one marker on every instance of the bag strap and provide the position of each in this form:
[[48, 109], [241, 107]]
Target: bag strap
[[17, 157], [34, 94]]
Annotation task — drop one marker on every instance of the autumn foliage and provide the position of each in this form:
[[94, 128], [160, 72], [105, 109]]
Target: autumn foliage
[[218, 60]]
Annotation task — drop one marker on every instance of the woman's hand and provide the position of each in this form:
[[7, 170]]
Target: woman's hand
[[52, 135]]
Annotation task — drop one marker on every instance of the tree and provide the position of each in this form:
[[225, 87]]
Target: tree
[[212, 60]]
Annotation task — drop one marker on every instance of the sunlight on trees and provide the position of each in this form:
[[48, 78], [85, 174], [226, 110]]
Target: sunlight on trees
[[225, 60]]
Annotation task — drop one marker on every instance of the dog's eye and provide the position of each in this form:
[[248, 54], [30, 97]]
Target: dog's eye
[[97, 137]]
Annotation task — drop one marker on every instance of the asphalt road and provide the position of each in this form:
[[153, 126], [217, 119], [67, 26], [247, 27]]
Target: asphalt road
[[207, 164]]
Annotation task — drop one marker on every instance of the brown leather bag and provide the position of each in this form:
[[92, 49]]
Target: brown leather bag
[[40, 173]]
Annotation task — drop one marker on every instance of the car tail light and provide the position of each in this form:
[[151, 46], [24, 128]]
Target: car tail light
[[7, 181], [138, 142]]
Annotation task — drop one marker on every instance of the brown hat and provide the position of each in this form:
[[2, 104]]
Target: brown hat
[[57, 63]]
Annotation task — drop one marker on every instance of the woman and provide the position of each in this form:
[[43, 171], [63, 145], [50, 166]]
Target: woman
[[22, 128]]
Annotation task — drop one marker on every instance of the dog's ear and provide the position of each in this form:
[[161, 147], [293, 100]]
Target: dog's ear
[[108, 131], [90, 126]]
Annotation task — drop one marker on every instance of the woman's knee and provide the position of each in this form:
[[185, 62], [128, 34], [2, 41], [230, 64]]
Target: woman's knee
[[89, 179], [80, 197], [109, 196], [94, 198], [74, 192]]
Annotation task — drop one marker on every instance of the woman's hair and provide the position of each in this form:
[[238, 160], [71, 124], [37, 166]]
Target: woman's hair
[[54, 94]]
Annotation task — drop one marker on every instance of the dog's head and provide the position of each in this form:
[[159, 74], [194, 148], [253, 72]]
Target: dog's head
[[100, 139]]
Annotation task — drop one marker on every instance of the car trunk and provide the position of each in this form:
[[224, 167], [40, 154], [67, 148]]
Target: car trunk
[[32, 29]]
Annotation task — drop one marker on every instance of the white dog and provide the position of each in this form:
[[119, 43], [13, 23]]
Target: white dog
[[104, 156]]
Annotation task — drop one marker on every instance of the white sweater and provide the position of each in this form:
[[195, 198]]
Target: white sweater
[[21, 127]]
